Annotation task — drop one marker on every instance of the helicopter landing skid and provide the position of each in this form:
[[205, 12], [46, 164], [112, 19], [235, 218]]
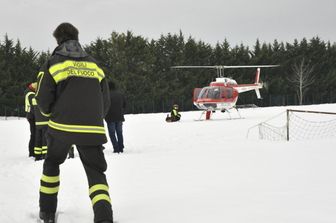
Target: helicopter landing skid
[[225, 110], [200, 118]]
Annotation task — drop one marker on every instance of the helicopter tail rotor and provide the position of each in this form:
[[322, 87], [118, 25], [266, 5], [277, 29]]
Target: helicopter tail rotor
[[257, 77]]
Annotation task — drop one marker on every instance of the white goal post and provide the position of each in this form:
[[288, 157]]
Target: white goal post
[[298, 125], [321, 127]]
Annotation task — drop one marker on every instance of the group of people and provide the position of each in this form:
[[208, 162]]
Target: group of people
[[67, 107], [37, 146]]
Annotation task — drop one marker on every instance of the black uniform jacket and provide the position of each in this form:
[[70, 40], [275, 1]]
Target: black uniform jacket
[[72, 91], [40, 120], [117, 108], [29, 95]]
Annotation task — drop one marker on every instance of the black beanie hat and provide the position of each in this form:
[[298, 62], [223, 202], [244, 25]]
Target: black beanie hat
[[65, 31]]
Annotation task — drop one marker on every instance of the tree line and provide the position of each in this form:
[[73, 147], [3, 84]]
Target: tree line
[[141, 68]]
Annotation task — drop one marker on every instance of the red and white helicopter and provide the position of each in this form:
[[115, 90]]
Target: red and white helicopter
[[222, 94]]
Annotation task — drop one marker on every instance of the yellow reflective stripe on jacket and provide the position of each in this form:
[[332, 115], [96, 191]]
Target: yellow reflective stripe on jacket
[[98, 187], [39, 82], [49, 179], [77, 128], [71, 68], [27, 103], [46, 115], [49, 190], [41, 123], [34, 102], [100, 197], [39, 74]]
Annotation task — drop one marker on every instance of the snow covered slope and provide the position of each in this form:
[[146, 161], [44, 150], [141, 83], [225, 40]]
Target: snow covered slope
[[191, 171]]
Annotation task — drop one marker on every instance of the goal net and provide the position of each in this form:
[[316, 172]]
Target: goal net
[[299, 125]]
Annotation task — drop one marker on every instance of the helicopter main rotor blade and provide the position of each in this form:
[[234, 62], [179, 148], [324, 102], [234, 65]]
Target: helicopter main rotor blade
[[224, 66], [182, 67], [249, 66]]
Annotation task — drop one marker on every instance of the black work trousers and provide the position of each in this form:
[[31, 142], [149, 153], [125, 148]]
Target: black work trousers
[[95, 165], [40, 148], [31, 144]]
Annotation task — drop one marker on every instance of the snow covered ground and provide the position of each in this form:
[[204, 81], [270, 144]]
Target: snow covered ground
[[191, 171]]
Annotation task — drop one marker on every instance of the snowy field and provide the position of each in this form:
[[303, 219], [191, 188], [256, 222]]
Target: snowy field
[[186, 172]]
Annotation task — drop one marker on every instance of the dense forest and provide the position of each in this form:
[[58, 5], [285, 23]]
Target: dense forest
[[142, 70]]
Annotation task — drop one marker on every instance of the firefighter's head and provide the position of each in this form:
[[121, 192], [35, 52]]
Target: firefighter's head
[[65, 31], [32, 86]]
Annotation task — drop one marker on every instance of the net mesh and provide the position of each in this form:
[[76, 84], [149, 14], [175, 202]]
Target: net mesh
[[270, 132], [302, 125]]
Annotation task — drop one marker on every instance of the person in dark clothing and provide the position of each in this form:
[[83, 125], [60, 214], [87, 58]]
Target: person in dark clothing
[[73, 93], [174, 114], [41, 126], [115, 118], [29, 95]]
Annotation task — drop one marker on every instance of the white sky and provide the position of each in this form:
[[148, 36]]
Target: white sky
[[240, 21]]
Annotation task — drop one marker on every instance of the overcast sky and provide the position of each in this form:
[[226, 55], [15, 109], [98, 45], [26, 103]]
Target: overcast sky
[[239, 21]]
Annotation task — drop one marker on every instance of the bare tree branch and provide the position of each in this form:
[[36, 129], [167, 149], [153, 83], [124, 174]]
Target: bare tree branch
[[302, 78]]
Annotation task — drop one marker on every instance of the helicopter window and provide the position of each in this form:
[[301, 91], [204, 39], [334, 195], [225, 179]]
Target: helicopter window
[[203, 93], [210, 92], [216, 93], [213, 93], [227, 92]]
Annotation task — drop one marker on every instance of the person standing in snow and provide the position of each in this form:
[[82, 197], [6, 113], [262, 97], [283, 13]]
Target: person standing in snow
[[73, 93], [115, 118], [41, 126], [29, 95]]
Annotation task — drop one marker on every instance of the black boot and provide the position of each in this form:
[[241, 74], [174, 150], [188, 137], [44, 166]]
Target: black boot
[[47, 217], [38, 157]]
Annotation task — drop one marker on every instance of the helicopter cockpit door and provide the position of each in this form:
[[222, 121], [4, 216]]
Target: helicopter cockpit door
[[196, 93]]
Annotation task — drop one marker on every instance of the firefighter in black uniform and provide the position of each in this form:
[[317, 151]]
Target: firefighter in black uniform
[[73, 93], [29, 95], [41, 126], [174, 114]]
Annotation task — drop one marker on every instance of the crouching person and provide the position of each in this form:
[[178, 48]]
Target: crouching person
[[174, 114]]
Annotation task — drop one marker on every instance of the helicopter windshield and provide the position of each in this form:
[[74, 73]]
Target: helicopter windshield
[[210, 92], [216, 93]]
